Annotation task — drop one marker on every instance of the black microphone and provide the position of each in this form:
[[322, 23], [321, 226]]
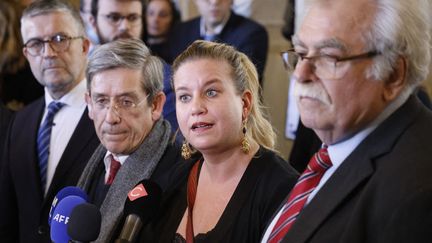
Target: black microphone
[[84, 223], [141, 205]]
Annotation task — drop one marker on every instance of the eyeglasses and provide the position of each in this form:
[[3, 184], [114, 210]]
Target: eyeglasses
[[115, 19], [58, 43], [121, 106], [325, 66]]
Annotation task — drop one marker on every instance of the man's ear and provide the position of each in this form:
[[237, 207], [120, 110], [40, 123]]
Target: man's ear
[[397, 80], [86, 46], [24, 50], [89, 104], [157, 105]]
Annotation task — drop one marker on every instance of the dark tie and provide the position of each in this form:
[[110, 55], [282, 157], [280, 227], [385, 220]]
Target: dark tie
[[114, 167], [307, 182], [43, 140]]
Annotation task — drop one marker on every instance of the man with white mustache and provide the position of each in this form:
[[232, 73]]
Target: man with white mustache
[[357, 65]]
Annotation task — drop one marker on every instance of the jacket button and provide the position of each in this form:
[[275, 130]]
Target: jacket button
[[42, 230]]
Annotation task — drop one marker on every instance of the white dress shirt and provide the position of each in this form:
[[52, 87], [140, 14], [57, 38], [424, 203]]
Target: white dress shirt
[[65, 122], [107, 162]]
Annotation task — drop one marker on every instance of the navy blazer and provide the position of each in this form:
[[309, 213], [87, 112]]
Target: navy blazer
[[382, 192], [24, 209], [246, 35]]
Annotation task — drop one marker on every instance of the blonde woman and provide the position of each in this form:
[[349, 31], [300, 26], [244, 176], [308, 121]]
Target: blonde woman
[[234, 180]]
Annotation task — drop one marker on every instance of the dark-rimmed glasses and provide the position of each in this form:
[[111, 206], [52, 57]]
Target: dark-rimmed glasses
[[58, 43], [115, 19], [325, 66]]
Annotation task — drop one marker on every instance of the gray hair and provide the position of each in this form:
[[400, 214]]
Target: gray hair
[[245, 77], [399, 28], [42, 7], [131, 54]]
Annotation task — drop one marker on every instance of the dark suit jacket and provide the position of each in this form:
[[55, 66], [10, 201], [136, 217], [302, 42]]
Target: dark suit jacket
[[5, 118], [382, 192], [24, 209], [246, 35]]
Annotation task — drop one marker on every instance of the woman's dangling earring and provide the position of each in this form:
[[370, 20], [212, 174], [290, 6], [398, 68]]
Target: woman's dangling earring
[[186, 151], [245, 146]]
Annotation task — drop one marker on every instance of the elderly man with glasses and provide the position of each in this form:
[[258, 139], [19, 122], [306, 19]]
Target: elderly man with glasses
[[52, 139], [125, 100], [356, 66]]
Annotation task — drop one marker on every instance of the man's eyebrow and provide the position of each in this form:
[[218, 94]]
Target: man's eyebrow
[[332, 43], [329, 43], [131, 94]]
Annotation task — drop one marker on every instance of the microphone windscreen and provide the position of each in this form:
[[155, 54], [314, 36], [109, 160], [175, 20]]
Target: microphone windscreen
[[61, 216], [67, 191], [143, 200], [84, 223]]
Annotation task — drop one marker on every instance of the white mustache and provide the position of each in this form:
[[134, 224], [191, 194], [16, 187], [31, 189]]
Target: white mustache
[[312, 90]]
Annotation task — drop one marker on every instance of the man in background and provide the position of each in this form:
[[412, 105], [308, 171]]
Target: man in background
[[217, 22], [51, 140]]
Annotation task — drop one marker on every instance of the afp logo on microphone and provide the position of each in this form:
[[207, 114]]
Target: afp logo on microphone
[[61, 218]]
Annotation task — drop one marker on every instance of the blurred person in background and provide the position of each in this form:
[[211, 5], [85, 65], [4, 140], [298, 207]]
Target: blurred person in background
[[85, 11], [217, 22], [116, 19], [161, 17], [18, 87]]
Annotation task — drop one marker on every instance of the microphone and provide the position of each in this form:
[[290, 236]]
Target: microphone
[[140, 207], [84, 223], [60, 218], [67, 191]]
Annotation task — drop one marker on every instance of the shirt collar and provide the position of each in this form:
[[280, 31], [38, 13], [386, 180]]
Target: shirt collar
[[119, 158], [74, 98], [217, 30]]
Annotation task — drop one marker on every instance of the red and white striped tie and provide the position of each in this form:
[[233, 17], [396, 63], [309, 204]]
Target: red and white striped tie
[[307, 182]]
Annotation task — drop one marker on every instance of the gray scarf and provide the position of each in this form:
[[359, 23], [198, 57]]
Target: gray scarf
[[138, 166]]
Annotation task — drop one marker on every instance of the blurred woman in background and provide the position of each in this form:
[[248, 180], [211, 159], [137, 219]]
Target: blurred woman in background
[[161, 16]]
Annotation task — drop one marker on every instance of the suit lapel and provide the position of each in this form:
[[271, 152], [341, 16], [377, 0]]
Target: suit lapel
[[352, 174], [82, 135], [31, 129]]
